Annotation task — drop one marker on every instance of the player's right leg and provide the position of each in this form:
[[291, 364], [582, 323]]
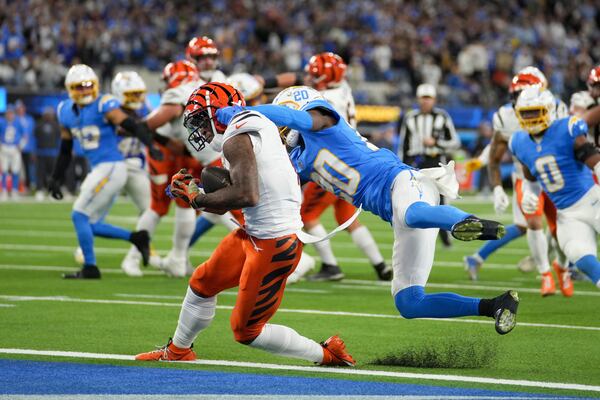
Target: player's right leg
[[4, 167], [221, 271], [315, 201], [97, 192], [412, 260]]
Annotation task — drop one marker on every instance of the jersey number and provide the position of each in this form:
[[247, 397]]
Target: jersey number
[[345, 180], [88, 136], [549, 173]]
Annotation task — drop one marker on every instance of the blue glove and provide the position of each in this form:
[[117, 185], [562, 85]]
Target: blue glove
[[224, 115]]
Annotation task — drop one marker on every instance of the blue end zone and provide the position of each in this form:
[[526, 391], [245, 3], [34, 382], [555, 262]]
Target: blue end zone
[[37, 377]]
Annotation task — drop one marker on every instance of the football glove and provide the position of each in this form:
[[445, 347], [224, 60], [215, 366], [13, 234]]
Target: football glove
[[54, 189], [529, 202], [473, 164], [501, 200]]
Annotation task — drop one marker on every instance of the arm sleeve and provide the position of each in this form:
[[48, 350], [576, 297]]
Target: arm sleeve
[[63, 160], [284, 116]]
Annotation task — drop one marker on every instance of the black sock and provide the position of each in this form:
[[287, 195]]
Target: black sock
[[486, 307]]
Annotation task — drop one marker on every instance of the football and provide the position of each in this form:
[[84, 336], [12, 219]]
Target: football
[[214, 178]]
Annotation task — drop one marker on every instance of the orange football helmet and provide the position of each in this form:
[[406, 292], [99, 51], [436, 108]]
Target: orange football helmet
[[593, 82], [199, 116], [177, 72], [325, 70]]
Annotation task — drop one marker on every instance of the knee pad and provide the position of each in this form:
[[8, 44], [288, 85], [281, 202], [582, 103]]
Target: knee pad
[[244, 334], [407, 301]]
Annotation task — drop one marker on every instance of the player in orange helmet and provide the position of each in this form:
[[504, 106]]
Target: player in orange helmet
[[204, 53]]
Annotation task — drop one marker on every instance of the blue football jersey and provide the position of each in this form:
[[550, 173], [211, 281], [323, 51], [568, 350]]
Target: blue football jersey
[[11, 133], [552, 161], [97, 136], [342, 162]]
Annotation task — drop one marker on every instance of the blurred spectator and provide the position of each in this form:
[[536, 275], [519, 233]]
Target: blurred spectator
[[28, 150], [474, 44], [47, 134], [11, 141]]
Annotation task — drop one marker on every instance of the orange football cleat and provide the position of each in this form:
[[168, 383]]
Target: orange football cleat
[[334, 353], [548, 287], [564, 280], [168, 352]]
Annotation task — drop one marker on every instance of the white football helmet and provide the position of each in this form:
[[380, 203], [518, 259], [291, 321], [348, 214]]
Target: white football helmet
[[250, 87], [297, 97], [535, 109], [580, 101], [82, 84], [130, 89], [531, 70]]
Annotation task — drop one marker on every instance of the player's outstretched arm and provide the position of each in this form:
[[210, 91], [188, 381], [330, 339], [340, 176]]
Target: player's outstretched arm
[[140, 130], [243, 191], [588, 154], [61, 164], [497, 149], [303, 121]]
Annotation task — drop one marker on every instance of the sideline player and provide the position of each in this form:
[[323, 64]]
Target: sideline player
[[257, 258], [558, 159], [327, 150], [92, 119], [11, 138]]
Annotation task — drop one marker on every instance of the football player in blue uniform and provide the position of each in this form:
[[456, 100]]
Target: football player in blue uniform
[[92, 119], [328, 151], [558, 158]]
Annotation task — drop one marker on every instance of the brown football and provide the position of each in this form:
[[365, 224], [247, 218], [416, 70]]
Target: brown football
[[214, 178]]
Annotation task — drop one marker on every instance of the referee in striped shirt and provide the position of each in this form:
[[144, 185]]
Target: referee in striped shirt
[[427, 136]]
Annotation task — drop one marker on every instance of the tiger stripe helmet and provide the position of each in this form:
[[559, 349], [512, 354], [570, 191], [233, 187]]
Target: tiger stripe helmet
[[326, 70], [199, 116], [178, 72], [200, 46]]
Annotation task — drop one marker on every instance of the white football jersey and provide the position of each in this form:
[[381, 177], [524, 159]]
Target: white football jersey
[[342, 100], [213, 76], [277, 212], [174, 129], [505, 122]]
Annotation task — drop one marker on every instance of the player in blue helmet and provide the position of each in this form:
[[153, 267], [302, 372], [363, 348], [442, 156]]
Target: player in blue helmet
[[92, 119], [328, 151], [558, 159]]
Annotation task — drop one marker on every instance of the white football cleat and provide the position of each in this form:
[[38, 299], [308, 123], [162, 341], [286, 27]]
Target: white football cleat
[[175, 267], [305, 265], [131, 264]]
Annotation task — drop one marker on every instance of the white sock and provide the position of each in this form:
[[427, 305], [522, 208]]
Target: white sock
[[225, 219], [185, 223], [196, 314], [148, 221], [363, 239], [284, 341], [324, 247], [538, 245], [306, 263]]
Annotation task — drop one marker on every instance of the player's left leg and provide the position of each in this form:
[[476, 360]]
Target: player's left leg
[[15, 169], [561, 263], [412, 261], [362, 238], [261, 290]]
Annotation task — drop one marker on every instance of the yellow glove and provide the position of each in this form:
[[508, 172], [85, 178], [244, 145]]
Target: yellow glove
[[473, 164]]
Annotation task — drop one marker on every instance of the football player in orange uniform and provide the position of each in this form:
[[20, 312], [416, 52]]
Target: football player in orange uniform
[[204, 53], [257, 258]]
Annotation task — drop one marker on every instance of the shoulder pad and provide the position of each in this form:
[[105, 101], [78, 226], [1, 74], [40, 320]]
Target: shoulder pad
[[107, 103], [577, 126], [174, 96]]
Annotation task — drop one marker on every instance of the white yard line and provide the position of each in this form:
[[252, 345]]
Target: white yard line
[[335, 371], [68, 299]]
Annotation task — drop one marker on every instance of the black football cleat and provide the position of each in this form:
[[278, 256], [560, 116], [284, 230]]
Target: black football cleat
[[87, 272], [384, 272], [473, 228], [328, 272], [505, 313], [141, 240]]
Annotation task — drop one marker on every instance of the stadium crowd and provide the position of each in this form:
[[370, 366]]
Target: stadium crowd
[[401, 42]]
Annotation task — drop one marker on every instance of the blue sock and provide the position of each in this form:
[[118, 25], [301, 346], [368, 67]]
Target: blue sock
[[15, 182], [4, 181], [412, 302], [105, 230], [590, 266], [512, 232], [422, 215], [202, 226], [85, 236]]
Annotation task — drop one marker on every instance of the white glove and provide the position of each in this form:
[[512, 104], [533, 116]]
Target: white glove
[[501, 200], [529, 202]]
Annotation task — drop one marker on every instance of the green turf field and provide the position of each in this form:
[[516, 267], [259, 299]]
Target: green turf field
[[558, 339]]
